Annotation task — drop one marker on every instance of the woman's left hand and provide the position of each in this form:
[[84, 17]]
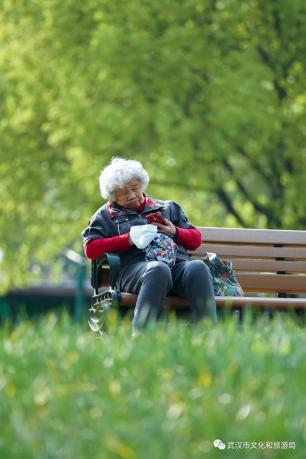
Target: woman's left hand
[[168, 229]]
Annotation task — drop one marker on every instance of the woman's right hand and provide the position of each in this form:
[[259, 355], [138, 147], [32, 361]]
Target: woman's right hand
[[168, 228]]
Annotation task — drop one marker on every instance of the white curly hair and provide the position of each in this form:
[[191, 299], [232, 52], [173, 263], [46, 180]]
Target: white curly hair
[[118, 172]]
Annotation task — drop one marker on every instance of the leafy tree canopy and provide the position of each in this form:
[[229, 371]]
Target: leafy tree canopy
[[209, 95]]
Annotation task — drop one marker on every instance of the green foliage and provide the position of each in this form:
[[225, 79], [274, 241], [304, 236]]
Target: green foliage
[[168, 394], [210, 95]]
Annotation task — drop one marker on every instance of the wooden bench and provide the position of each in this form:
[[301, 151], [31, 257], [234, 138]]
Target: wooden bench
[[270, 266]]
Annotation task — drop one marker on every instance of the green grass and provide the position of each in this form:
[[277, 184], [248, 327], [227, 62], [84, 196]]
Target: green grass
[[66, 393]]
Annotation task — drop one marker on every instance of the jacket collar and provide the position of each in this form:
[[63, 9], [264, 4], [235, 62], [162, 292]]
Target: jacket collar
[[114, 209]]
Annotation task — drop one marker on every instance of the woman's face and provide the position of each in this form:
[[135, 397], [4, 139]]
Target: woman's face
[[130, 195]]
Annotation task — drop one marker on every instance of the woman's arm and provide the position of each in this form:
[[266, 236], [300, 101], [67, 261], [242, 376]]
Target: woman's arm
[[190, 238], [96, 247]]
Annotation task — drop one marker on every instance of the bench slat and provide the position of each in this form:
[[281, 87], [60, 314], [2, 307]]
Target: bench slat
[[281, 283], [129, 299], [270, 266], [258, 303], [266, 265], [249, 251], [247, 235], [268, 283]]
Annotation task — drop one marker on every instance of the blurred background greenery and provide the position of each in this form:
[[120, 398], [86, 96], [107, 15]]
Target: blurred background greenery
[[209, 94]]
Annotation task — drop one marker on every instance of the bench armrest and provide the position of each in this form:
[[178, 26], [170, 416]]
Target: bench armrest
[[110, 259]]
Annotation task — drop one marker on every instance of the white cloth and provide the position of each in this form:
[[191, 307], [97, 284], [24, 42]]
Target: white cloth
[[142, 235]]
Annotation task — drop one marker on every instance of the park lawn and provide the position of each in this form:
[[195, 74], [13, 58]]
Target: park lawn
[[67, 393]]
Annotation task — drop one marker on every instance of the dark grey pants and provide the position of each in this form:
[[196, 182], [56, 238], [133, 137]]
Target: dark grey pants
[[153, 280]]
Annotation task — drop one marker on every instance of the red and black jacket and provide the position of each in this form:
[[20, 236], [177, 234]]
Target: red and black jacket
[[109, 228]]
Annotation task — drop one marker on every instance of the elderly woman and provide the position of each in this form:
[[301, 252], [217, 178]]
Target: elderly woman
[[152, 238]]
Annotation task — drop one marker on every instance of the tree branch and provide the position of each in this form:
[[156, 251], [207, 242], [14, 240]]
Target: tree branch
[[229, 206], [257, 206], [255, 165], [217, 190]]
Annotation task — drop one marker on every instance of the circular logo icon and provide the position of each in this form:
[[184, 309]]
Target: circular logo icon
[[219, 444]]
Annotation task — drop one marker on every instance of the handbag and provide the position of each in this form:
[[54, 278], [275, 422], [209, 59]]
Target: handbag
[[224, 277], [162, 248]]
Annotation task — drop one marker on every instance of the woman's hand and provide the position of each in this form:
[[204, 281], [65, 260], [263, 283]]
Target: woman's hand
[[168, 229]]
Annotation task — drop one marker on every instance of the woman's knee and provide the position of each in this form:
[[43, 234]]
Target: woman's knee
[[198, 269], [159, 271]]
